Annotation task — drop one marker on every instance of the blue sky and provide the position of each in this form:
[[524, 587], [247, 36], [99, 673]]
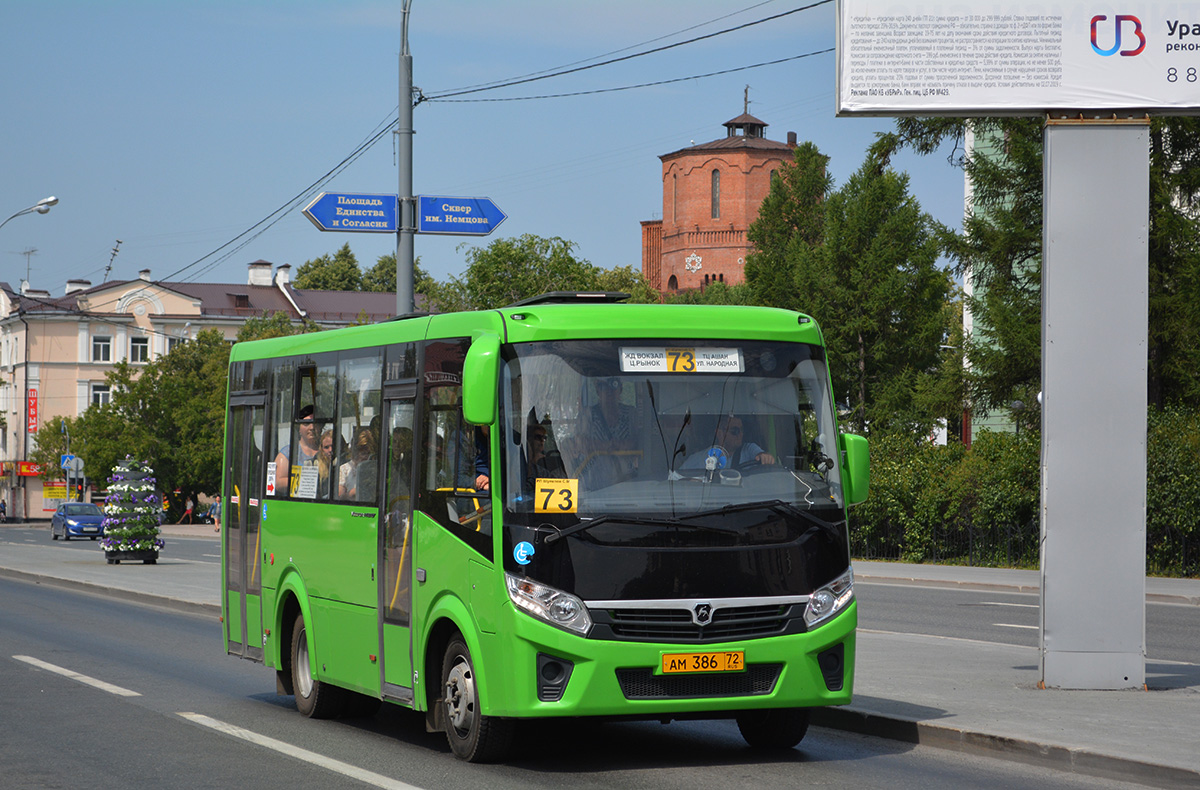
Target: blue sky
[[175, 127]]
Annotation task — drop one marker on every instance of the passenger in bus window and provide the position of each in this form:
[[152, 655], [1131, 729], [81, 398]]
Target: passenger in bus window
[[308, 449], [474, 459], [541, 462], [610, 455], [357, 477], [324, 463], [612, 421]]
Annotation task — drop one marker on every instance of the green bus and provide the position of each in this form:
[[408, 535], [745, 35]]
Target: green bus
[[568, 507]]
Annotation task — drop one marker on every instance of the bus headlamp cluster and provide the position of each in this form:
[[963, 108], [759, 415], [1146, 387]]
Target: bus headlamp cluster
[[827, 601], [549, 604]]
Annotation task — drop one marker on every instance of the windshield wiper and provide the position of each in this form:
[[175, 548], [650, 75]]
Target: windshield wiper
[[637, 520], [778, 505]]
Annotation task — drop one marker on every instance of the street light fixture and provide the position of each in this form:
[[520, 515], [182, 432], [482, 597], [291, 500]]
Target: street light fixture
[[41, 207]]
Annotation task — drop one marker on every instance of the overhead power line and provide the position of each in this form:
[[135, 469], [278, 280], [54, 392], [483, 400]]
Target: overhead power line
[[609, 62], [642, 84], [622, 49]]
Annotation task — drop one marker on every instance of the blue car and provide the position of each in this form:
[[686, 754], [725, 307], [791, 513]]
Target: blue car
[[77, 520]]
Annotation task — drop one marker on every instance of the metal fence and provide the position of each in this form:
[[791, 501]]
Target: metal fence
[[1009, 546]]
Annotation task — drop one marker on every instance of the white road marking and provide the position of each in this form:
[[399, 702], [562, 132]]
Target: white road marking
[[1011, 625], [67, 673], [1004, 603], [328, 763]]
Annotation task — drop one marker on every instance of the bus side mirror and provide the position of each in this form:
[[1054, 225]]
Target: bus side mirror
[[481, 371], [856, 467]]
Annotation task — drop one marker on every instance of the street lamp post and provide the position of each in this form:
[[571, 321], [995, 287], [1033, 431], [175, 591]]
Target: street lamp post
[[41, 207]]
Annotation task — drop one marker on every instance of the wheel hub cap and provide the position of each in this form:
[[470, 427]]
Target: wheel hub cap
[[460, 697]]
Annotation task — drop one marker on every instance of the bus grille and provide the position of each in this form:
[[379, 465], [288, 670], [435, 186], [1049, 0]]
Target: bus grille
[[642, 683], [675, 625]]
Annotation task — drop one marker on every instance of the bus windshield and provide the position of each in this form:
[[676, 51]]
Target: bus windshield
[[666, 428]]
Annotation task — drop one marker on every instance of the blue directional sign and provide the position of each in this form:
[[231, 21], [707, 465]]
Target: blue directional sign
[[353, 212], [458, 216]]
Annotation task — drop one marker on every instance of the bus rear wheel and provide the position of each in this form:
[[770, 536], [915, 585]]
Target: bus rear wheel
[[774, 728], [472, 736], [314, 699]]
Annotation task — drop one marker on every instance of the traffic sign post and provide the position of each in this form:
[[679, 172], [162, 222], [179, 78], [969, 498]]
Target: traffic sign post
[[356, 213], [458, 216]]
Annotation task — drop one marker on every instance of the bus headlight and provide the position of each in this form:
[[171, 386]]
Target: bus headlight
[[827, 601], [549, 604]]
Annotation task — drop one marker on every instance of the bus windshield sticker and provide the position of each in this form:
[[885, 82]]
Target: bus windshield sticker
[[556, 495], [522, 552], [682, 360], [270, 479], [307, 489]]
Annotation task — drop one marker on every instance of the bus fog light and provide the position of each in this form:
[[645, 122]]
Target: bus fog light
[[549, 604], [827, 601]]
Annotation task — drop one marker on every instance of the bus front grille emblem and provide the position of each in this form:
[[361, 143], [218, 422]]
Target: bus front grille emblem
[[702, 614]]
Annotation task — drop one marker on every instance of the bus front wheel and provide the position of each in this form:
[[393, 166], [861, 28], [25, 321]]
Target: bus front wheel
[[774, 728], [472, 736], [314, 699]]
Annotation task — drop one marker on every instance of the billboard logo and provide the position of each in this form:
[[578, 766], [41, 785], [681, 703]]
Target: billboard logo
[[1118, 23]]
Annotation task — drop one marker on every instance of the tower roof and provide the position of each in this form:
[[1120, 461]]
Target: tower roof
[[750, 126], [742, 132]]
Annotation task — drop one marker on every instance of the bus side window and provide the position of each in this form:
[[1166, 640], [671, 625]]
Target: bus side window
[[359, 426], [457, 454], [279, 431]]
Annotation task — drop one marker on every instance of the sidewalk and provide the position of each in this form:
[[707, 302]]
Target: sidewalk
[[972, 696]]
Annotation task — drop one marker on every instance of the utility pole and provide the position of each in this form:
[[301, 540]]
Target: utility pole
[[406, 225]]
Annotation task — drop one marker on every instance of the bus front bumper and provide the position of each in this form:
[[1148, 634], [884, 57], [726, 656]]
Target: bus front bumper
[[542, 671]]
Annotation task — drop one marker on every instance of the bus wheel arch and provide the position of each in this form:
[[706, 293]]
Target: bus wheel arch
[[285, 622], [292, 600], [440, 634]]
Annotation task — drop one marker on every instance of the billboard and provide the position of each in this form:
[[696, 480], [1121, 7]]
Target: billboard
[[916, 57]]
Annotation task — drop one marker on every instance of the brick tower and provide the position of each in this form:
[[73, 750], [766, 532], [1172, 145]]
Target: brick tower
[[711, 194]]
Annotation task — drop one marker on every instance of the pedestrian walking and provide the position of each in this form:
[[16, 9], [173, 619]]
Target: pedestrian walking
[[187, 512]]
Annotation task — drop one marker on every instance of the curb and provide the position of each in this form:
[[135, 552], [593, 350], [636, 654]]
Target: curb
[[148, 599], [1044, 755]]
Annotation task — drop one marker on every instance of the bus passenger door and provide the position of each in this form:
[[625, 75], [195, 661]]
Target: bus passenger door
[[240, 529], [396, 543]]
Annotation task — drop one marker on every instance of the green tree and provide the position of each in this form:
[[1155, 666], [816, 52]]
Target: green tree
[[1001, 247], [1174, 290], [714, 293], [626, 279], [876, 289], [512, 269], [170, 413], [338, 272], [51, 445], [381, 277], [276, 324], [793, 214]]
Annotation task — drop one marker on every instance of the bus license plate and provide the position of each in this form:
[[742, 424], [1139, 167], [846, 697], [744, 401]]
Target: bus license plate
[[731, 661]]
